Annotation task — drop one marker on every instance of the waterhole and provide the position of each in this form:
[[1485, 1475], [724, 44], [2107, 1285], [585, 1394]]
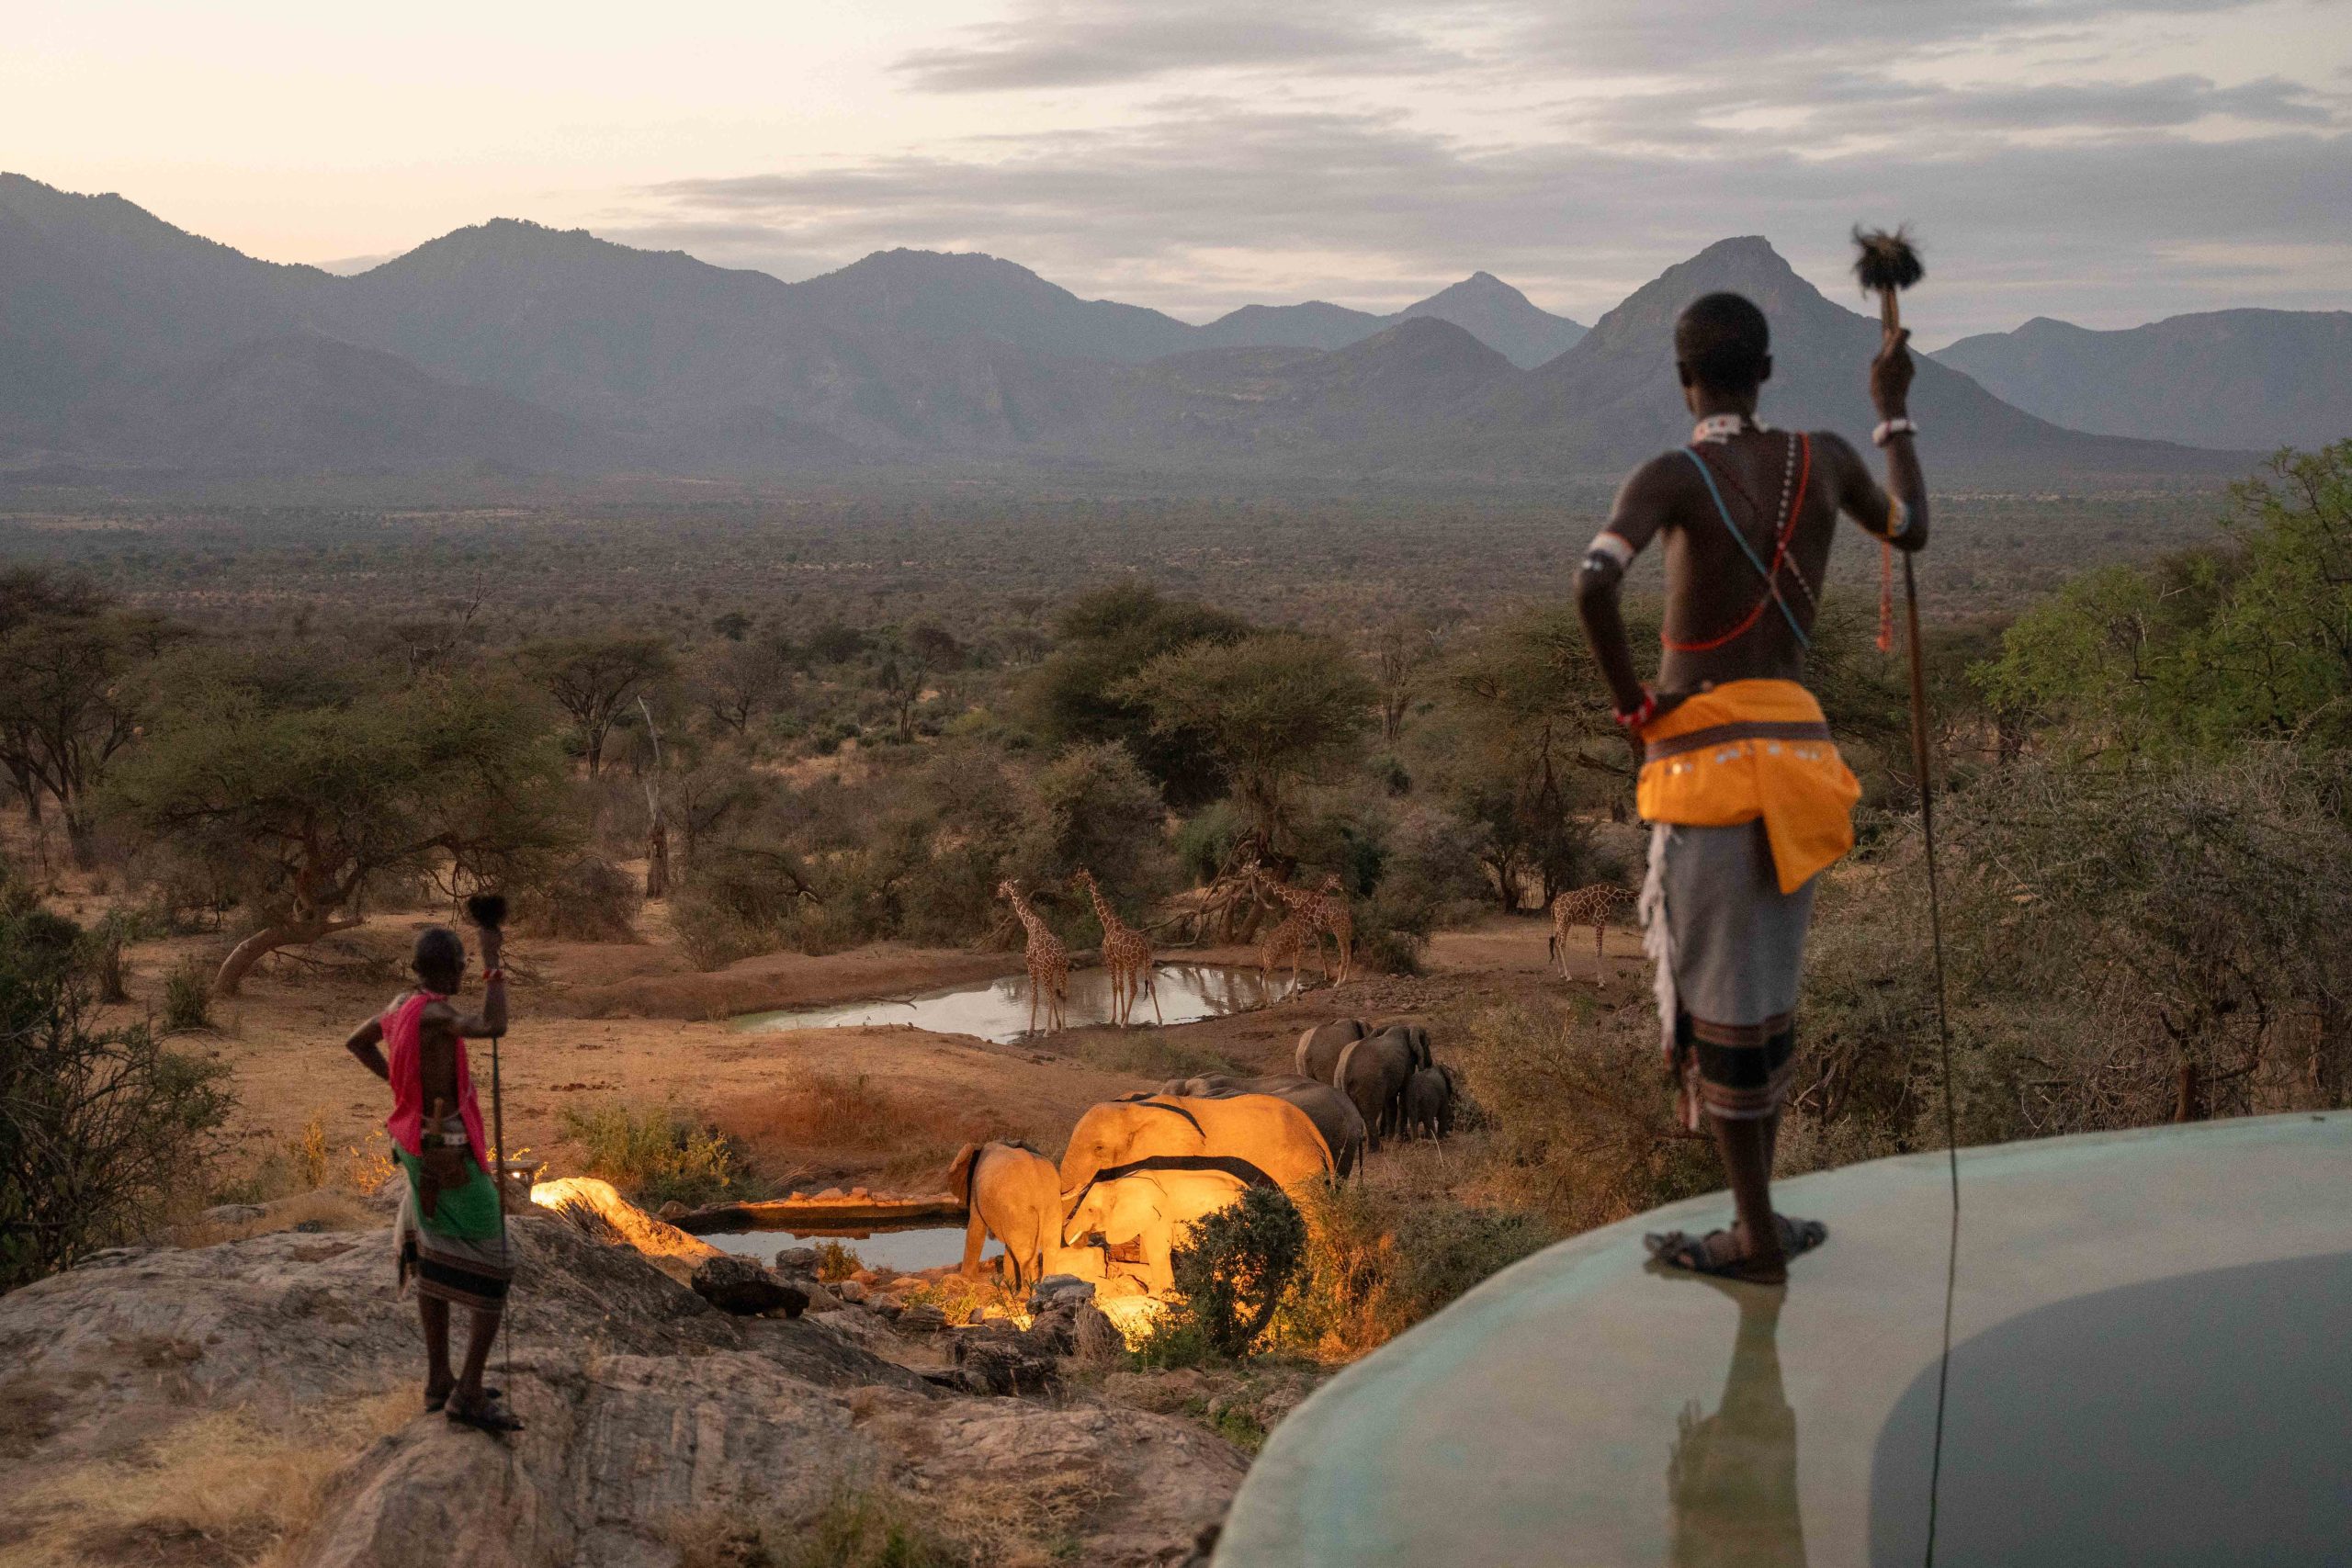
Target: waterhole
[[908, 1250], [999, 1011]]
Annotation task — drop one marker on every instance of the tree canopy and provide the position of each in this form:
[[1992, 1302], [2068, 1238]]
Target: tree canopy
[[1079, 693], [1276, 710], [301, 808]]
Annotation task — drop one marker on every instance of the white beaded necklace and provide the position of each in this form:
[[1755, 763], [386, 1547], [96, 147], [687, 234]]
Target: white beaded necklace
[[1718, 428]]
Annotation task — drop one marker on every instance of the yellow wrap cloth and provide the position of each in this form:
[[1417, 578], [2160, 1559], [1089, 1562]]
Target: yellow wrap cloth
[[1751, 749]]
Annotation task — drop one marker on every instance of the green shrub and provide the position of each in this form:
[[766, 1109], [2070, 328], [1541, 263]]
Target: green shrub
[[1232, 1270], [99, 1129], [188, 996], [654, 1155], [835, 1262]]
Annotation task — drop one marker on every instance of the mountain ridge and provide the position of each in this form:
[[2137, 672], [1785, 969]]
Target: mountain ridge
[[513, 342], [2247, 377]]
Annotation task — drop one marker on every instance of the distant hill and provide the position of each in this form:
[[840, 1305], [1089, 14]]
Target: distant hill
[[2255, 378], [1613, 398], [301, 400], [1314, 324], [127, 341], [1502, 318], [938, 296], [1482, 304]]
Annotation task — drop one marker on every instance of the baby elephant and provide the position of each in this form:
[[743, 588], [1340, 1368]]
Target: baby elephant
[[1428, 1102], [1014, 1193]]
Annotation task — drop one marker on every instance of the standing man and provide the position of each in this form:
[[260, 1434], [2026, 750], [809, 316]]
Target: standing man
[[1747, 794], [451, 1229]]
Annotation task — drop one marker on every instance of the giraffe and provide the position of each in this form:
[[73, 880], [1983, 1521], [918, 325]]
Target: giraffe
[[1284, 943], [1586, 907], [1048, 959], [1127, 954], [1324, 909]]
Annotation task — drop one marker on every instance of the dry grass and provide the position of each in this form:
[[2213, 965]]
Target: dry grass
[[821, 1121], [220, 1488], [326, 1208]]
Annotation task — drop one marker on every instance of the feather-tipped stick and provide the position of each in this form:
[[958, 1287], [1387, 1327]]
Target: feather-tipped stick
[[1888, 264], [487, 910]]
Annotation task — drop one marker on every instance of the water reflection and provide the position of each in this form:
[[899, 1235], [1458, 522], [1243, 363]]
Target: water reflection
[[999, 1009], [1732, 1481]]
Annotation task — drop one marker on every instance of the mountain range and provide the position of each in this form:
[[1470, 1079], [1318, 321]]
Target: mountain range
[[2217, 378], [127, 341]]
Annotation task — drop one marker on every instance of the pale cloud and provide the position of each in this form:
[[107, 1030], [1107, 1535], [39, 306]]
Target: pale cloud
[[1055, 46]]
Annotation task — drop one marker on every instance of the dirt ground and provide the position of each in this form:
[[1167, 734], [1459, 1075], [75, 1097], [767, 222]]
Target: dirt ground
[[636, 1023]]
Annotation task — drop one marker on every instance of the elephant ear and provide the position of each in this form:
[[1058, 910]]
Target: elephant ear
[[959, 1173]]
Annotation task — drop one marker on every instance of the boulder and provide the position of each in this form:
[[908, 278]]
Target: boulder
[[797, 1260], [923, 1319], [1004, 1364], [648, 1413], [745, 1287], [1056, 1288], [851, 1292]]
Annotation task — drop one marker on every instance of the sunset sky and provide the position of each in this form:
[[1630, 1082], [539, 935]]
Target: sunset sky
[[2103, 163]]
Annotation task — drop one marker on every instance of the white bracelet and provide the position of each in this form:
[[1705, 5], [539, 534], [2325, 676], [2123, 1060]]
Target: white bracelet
[[1889, 429]]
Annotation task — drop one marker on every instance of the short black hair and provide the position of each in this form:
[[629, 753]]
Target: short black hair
[[1723, 341], [439, 952]]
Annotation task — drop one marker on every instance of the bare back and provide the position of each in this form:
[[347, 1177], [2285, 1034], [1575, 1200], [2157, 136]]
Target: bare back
[[1723, 622]]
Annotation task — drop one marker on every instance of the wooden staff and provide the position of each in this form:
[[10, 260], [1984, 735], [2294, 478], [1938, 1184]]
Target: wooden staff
[[1888, 264]]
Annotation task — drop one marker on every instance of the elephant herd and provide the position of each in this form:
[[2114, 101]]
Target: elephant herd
[[1139, 1170]]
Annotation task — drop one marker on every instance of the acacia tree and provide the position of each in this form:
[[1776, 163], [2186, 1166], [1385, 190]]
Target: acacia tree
[[1277, 710], [453, 778], [1539, 721], [69, 705], [595, 678], [736, 679]]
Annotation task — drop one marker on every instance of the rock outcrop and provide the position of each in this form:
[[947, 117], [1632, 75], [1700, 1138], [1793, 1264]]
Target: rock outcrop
[[648, 1410], [744, 1286]]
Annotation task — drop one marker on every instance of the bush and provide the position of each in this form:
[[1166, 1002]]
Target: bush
[[99, 1129], [1582, 1122], [1376, 1264], [1232, 1270], [589, 899], [654, 1155], [835, 1262], [713, 935], [188, 996]]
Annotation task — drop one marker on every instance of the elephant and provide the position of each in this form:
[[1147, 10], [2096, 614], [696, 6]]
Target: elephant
[[1271, 1134], [1417, 1036], [1014, 1193], [1148, 1205], [1334, 1114], [1428, 1102], [1372, 1074], [1318, 1048]]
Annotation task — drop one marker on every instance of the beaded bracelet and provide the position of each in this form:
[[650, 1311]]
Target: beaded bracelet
[[1633, 719]]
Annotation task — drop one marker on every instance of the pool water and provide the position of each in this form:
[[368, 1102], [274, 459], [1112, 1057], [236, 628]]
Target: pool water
[[916, 1248], [999, 1011]]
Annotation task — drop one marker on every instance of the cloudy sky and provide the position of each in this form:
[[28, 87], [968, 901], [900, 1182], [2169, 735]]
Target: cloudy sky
[[2102, 163]]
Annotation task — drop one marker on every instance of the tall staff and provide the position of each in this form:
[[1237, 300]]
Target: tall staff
[[1888, 264]]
